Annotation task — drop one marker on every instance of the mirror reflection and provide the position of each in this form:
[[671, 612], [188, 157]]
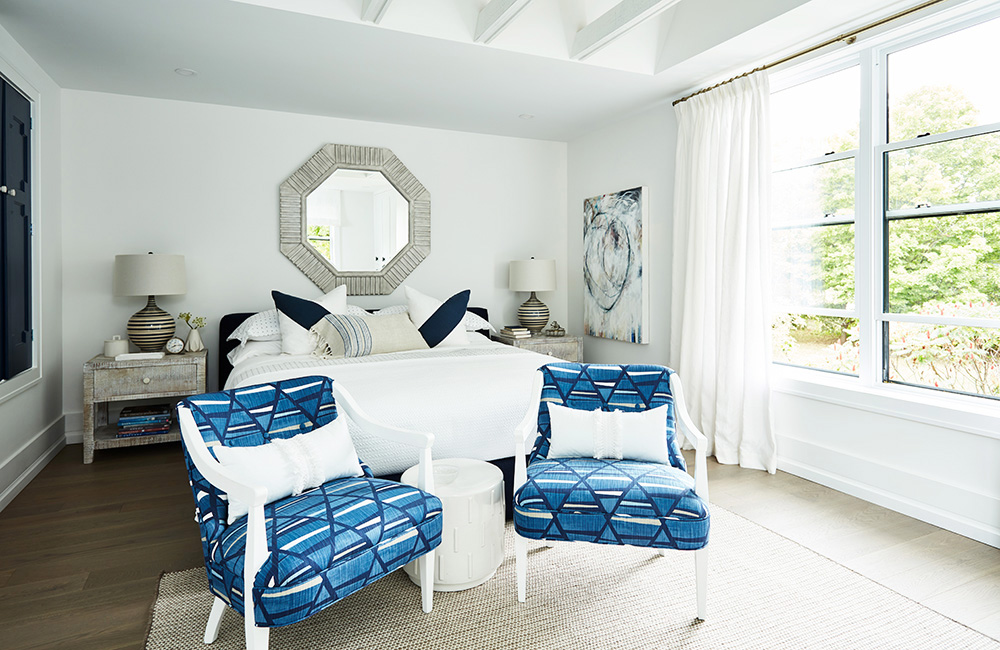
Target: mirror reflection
[[357, 220]]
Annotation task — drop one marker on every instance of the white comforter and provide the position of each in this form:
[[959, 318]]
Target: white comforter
[[470, 398]]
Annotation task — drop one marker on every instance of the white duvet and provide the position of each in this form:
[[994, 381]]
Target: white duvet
[[469, 397]]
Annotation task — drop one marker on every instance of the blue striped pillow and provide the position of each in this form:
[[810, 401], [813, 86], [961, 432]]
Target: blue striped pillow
[[340, 335]]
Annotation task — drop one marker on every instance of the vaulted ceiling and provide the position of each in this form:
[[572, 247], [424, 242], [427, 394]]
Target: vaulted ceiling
[[470, 65]]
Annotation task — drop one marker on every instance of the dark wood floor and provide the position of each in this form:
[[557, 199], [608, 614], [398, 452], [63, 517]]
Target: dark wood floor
[[83, 546]]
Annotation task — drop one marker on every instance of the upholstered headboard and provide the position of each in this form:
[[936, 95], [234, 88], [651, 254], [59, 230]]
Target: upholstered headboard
[[230, 322]]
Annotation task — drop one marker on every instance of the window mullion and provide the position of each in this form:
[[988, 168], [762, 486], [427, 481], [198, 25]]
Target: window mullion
[[867, 242]]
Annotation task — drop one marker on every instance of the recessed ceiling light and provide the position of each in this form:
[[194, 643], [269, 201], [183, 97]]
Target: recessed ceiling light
[[526, 116], [185, 72]]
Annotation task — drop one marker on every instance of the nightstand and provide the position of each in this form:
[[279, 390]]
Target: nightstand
[[567, 348], [106, 380]]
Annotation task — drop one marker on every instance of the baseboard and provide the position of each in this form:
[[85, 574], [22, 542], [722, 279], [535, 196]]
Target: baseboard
[[13, 488], [74, 428], [971, 528]]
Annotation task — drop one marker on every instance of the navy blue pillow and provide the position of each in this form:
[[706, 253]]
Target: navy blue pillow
[[445, 318], [304, 312]]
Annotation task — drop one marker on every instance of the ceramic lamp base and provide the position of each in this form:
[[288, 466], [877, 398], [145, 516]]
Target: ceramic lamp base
[[150, 327], [533, 314]]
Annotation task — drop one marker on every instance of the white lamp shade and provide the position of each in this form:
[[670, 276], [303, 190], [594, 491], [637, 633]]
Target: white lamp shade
[[149, 275], [533, 275]]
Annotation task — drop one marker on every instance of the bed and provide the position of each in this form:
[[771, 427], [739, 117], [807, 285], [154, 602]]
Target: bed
[[469, 397]]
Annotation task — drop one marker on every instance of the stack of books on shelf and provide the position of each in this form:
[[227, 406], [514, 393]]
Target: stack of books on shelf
[[515, 332], [135, 421]]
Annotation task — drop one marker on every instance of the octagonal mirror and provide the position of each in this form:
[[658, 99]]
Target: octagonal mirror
[[356, 216]]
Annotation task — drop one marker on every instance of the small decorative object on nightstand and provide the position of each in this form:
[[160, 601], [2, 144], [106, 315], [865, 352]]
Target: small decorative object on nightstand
[[107, 380], [555, 330], [150, 275], [194, 342], [567, 348], [533, 275]]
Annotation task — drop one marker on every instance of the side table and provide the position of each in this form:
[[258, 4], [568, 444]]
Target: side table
[[471, 550], [106, 380], [567, 348]]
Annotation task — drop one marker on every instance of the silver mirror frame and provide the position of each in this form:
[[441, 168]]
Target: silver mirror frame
[[292, 219]]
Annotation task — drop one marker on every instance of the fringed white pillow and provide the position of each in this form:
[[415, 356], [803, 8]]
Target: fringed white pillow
[[290, 466], [616, 435]]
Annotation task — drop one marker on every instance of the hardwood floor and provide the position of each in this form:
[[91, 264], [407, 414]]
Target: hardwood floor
[[83, 546]]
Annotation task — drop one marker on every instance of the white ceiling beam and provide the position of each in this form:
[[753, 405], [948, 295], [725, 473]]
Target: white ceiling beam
[[373, 10], [495, 17], [614, 23]]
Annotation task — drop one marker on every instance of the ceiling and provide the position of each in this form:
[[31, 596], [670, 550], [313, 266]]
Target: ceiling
[[419, 63]]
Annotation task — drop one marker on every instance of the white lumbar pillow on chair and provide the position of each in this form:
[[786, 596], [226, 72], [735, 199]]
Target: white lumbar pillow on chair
[[616, 435], [290, 466]]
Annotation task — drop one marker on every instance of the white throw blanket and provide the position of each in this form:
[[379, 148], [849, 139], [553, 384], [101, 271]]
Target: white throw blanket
[[470, 398]]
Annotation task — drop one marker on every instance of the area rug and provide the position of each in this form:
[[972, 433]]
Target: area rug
[[764, 592]]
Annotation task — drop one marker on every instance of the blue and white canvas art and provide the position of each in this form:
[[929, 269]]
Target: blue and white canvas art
[[615, 257]]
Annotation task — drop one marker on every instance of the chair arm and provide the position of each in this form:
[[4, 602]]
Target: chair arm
[[214, 471], [693, 435], [347, 403], [527, 427]]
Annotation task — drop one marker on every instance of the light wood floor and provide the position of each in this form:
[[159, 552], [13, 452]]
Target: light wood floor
[[82, 547]]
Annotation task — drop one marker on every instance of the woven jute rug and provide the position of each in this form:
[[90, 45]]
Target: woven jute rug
[[764, 592]]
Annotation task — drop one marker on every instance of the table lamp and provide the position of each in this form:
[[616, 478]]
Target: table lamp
[[533, 275], [150, 275]]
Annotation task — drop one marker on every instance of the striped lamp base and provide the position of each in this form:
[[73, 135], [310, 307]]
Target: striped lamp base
[[150, 327], [533, 314]]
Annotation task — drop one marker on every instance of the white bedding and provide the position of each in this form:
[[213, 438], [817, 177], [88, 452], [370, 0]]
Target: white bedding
[[469, 397]]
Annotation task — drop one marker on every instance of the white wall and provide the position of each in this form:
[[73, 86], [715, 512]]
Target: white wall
[[637, 151], [31, 422], [202, 180], [904, 455]]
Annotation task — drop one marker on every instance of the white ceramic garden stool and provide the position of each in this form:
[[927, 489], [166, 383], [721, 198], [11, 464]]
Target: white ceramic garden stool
[[471, 550]]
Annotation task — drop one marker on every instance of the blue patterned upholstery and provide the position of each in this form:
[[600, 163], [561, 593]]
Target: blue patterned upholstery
[[325, 543], [606, 501]]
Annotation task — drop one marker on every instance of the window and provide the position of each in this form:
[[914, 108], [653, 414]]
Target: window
[[886, 214], [16, 336]]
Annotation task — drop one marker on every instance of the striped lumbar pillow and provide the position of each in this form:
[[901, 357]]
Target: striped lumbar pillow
[[357, 336]]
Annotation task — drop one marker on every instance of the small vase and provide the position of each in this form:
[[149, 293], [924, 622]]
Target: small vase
[[194, 343]]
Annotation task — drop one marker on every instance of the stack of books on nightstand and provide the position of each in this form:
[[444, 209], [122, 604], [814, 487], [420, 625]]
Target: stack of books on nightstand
[[146, 420], [515, 332]]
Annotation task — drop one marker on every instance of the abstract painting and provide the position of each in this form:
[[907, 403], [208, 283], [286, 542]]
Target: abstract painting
[[615, 257]]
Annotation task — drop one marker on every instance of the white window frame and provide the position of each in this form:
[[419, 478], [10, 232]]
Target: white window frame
[[867, 391]]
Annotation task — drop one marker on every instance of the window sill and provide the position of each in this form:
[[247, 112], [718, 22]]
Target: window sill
[[968, 414], [19, 384]]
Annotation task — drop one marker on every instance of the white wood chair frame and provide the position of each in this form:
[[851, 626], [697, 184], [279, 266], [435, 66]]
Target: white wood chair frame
[[528, 429], [257, 551]]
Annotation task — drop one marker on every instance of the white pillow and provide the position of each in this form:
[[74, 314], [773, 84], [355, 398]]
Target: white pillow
[[618, 435], [251, 349], [473, 322], [421, 307], [290, 466], [262, 326], [296, 339], [390, 310], [354, 310]]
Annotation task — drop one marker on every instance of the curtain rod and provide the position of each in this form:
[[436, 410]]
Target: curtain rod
[[850, 37]]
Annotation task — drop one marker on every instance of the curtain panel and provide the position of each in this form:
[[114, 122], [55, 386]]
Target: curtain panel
[[720, 317]]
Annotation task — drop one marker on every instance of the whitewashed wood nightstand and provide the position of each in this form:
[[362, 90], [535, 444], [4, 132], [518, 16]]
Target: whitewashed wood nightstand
[[567, 348], [106, 380]]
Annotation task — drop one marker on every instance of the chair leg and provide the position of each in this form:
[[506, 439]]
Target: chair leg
[[701, 580], [214, 620], [663, 551], [521, 566], [426, 568], [257, 637]]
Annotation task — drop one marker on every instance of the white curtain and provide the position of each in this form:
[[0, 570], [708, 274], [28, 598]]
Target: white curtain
[[720, 337]]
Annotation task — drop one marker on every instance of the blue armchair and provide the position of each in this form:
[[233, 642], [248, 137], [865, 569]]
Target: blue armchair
[[608, 501], [286, 560]]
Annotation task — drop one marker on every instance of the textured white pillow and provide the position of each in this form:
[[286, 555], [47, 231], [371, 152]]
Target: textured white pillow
[[354, 310], [618, 435], [473, 322], [296, 339], [421, 307], [290, 466], [252, 349], [391, 309], [262, 326]]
